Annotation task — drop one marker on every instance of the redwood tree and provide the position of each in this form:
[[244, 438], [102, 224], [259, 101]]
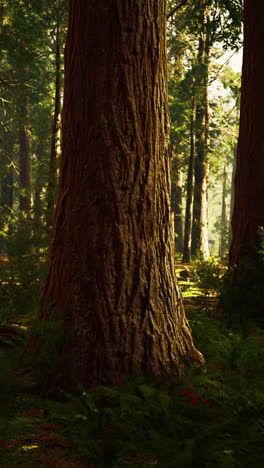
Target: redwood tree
[[111, 274], [248, 212]]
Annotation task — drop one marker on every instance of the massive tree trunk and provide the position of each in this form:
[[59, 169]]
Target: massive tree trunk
[[111, 274], [55, 136], [248, 213]]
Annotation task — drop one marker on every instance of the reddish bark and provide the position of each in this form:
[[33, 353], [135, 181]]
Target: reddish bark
[[111, 274], [248, 213]]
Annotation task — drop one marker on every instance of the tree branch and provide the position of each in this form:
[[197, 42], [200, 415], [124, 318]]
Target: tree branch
[[171, 13]]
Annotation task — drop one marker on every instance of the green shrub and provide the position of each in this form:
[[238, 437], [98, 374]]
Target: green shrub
[[208, 274]]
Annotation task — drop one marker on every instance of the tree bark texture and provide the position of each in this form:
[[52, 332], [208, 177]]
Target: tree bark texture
[[111, 274], [248, 212]]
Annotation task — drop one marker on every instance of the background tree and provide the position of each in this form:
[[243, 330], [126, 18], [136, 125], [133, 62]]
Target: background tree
[[31, 47], [248, 214], [221, 22]]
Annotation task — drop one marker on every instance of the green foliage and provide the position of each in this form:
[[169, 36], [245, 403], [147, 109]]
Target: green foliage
[[21, 279], [8, 385], [193, 422], [212, 415], [208, 274], [47, 340]]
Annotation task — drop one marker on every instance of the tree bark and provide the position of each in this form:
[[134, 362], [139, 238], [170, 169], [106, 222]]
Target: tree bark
[[248, 213], [189, 195], [111, 274]]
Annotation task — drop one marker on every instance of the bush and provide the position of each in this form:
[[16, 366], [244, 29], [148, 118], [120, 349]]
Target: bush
[[208, 274]]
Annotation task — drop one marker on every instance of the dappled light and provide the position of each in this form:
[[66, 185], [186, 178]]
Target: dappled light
[[131, 234]]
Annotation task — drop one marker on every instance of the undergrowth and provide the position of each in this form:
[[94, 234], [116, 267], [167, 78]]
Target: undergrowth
[[212, 417]]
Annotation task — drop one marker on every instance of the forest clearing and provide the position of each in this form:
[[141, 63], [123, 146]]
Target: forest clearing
[[131, 233]]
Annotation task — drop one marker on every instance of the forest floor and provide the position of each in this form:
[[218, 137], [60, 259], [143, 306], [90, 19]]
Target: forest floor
[[85, 431]]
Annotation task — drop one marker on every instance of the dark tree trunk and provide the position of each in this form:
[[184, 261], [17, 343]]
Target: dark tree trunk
[[111, 274], [248, 213], [189, 195], [246, 252], [55, 136], [177, 202]]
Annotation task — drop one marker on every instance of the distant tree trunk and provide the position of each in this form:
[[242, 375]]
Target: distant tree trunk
[[232, 190], [189, 196], [111, 274], [177, 202], [55, 137], [248, 214], [25, 169], [200, 221], [223, 227], [7, 182], [39, 184]]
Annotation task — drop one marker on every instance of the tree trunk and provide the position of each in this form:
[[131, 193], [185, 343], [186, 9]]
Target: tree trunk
[[248, 213], [189, 195], [55, 136], [200, 221], [177, 202], [7, 183], [25, 169], [232, 191], [111, 274], [246, 253], [38, 186], [223, 227]]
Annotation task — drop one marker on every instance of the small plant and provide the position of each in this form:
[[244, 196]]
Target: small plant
[[208, 275]]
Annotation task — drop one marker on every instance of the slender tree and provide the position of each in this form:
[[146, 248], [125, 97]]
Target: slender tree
[[189, 192], [55, 135], [25, 177], [111, 274], [223, 228], [176, 198], [201, 169]]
